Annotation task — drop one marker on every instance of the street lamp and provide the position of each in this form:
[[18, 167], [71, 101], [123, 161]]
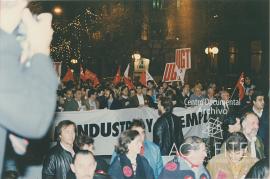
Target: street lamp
[[74, 61], [211, 51], [57, 10]]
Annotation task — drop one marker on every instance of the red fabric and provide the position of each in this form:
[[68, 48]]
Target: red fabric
[[143, 79], [68, 76], [129, 83], [82, 76], [117, 78], [221, 175], [91, 76], [240, 86]]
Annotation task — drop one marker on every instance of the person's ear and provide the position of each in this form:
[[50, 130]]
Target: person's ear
[[72, 167]]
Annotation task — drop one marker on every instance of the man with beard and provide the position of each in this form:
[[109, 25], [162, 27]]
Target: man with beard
[[250, 126], [167, 129]]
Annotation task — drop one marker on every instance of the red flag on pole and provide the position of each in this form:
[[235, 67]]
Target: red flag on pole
[[82, 76], [68, 76], [91, 76], [145, 77], [240, 86], [117, 77], [143, 80], [127, 81]]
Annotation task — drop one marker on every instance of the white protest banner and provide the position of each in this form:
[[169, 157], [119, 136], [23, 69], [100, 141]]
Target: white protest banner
[[106, 125]]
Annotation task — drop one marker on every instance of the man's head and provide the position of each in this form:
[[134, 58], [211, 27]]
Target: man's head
[[109, 93], [139, 126], [210, 92], [247, 80], [225, 96], [186, 89], [132, 92], [194, 150], [150, 84], [144, 90], [124, 91], [66, 132], [236, 146], [130, 142], [85, 142], [69, 94], [165, 85], [165, 105], [92, 94], [78, 95], [139, 89], [197, 91], [258, 100], [83, 165], [250, 124]]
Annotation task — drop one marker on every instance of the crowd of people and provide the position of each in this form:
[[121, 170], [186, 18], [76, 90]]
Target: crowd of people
[[241, 150]]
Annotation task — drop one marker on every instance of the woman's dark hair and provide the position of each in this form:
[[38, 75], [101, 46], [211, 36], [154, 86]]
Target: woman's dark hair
[[137, 123], [255, 95], [259, 169], [84, 139], [125, 138], [236, 142], [166, 102], [230, 120], [91, 92], [61, 125], [190, 143]]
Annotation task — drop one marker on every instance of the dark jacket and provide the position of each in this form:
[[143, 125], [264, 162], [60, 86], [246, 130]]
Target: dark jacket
[[117, 172], [134, 101], [125, 102], [57, 163], [167, 131]]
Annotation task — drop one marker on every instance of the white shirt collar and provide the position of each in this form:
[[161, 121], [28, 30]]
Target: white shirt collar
[[258, 113], [70, 151]]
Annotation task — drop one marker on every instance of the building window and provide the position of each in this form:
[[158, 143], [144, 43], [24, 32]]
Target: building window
[[256, 56], [158, 4]]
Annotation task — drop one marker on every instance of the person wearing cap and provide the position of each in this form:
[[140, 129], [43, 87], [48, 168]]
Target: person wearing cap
[[189, 163]]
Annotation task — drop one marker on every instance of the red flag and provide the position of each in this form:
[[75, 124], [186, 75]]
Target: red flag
[[240, 86], [91, 76], [68, 76], [82, 76], [127, 81], [143, 79], [117, 77], [145, 76]]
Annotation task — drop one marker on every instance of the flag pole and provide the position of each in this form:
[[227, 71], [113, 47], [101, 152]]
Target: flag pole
[[235, 86], [233, 93]]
